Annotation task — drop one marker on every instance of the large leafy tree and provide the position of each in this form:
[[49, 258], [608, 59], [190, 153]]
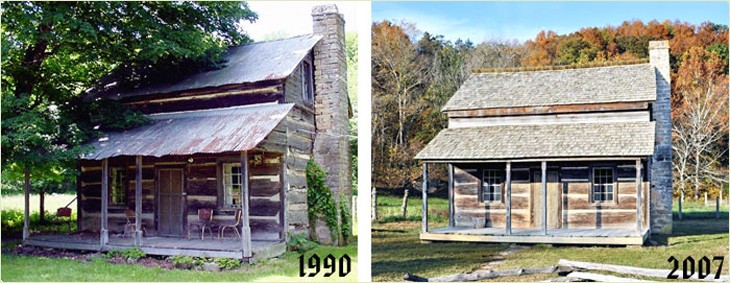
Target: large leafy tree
[[53, 51]]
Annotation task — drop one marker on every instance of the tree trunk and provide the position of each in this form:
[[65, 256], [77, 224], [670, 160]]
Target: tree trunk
[[26, 218], [374, 208], [42, 205], [697, 174], [404, 207]]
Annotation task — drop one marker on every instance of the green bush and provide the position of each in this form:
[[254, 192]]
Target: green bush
[[228, 263], [133, 253], [300, 243], [182, 260], [11, 222]]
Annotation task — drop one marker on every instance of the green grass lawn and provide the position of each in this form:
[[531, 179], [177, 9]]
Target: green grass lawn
[[286, 268], [53, 202], [397, 250]]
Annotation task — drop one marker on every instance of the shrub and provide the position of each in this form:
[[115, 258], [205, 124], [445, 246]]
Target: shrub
[[133, 253], [228, 263], [320, 202], [182, 260], [300, 243]]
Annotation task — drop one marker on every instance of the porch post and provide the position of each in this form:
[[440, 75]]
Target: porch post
[[638, 195], [26, 192], [508, 185], [138, 202], [245, 229], [544, 198], [451, 195], [424, 212], [104, 237]]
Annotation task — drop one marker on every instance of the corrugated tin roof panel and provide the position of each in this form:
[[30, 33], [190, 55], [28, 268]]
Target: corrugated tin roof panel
[[626, 139], [261, 61], [185, 133], [623, 83]]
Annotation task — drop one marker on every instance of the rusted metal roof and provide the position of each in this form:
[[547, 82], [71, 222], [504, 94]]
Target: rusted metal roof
[[261, 61], [624, 139], [185, 133]]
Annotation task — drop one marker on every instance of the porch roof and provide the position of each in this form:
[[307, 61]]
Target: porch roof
[[628, 139], [185, 133]]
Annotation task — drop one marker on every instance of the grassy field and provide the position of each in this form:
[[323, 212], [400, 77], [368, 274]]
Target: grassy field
[[53, 202], [397, 250], [284, 269], [14, 268]]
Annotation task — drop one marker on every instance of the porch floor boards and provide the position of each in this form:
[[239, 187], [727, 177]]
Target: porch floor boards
[[213, 247], [604, 236]]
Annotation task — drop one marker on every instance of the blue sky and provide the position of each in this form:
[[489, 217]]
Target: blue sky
[[480, 21]]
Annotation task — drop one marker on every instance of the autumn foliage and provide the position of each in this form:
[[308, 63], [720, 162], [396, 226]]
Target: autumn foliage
[[415, 73]]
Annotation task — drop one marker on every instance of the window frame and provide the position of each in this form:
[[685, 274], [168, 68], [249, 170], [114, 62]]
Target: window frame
[[307, 79], [494, 186], [603, 191], [227, 185], [118, 184]]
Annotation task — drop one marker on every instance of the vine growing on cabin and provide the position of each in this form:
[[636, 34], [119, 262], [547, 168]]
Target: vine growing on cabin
[[346, 220], [320, 202]]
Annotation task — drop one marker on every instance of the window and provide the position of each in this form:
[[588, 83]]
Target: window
[[307, 86], [232, 184], [491, 185], [118, 187], [602, 184]]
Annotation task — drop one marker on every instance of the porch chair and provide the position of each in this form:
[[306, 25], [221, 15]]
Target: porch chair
[[230, 224], [205, 221], [131, 216], [61, 213]]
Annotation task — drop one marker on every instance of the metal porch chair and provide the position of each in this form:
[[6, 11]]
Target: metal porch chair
[[231, 224], [205, 221]]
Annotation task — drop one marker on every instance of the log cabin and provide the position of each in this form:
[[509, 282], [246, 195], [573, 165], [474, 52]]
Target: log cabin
[[563, 155], [235, 141]]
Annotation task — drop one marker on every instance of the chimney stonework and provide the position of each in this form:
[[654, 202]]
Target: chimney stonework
[[661, 162], [331, 145]]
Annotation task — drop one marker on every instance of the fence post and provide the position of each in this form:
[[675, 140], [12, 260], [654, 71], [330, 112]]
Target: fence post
[[717, 208], [681, 198]]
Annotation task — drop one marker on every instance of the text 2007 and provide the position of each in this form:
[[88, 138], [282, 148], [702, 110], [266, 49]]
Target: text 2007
[[315, 264], [689, 264]]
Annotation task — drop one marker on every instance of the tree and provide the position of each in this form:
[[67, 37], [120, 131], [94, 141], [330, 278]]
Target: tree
[[53, 51], [700, 123]]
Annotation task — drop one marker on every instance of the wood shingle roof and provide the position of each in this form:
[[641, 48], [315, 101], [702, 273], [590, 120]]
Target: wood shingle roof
[[627, 139], [623, 83]]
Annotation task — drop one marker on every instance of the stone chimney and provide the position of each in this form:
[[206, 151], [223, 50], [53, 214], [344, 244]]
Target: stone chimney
[[331, 145], [661, 162]]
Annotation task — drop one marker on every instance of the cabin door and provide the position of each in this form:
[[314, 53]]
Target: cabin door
[[554, 197], [170, 204]]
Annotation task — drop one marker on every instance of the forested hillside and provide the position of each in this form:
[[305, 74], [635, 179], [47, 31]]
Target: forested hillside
[[415, 73]]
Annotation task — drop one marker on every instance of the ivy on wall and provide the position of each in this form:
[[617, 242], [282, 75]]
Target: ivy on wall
[[320, 202]]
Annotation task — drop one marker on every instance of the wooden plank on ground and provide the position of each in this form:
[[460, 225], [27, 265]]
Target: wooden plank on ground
[[660, 273], [481, 275], [601, 278]]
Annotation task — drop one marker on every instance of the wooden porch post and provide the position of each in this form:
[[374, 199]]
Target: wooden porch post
[[638, 195], [138, 202], [544, 198], [26, 191], [451, 196], [508, 185], [424, 213], [104, 236], [245, 229]]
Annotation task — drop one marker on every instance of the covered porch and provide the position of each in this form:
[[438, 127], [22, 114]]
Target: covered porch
[[145, 187], [169, 246], [573, 189]]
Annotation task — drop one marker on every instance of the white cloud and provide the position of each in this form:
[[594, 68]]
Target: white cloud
[[291, 18]]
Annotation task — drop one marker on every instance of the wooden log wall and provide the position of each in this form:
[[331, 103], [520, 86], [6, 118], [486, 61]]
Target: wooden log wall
[[203, 187], [209, 98], [576, 208]]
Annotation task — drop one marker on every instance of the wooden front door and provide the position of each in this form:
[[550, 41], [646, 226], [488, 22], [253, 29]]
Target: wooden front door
[[554, 200], [170, 202]]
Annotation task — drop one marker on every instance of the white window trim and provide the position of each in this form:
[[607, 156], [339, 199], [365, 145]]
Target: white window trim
[[603, 191], [497, 186], [228, 195]]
